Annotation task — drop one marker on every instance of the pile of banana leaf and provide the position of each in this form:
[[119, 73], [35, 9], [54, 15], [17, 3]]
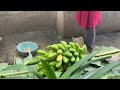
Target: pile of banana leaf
[[103, 63]]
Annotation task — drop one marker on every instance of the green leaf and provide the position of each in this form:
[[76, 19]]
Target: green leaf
[[80, 70], [29, 57], [4, 72], [16, 67], [89, 69], [34, 67], [109, 74], [107, 50], [88, 74], [3, 65], [18, 61], [104, 49], [24, 67], [58, 74], [16, 78], [116, 71], [48, 70], [13, 73], [113, 77], [86, 64], [35, 73], [78, 64], [104, 70], [30, 75], [98, 63], [77, 74]]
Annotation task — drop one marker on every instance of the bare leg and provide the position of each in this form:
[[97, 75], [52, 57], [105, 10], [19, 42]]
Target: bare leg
[[89, 38]]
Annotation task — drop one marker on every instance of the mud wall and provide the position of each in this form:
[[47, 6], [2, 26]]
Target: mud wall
[[110, 23], [24, 21], [63, 21]]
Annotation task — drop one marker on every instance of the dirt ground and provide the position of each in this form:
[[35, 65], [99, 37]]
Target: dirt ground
[[44, 38]]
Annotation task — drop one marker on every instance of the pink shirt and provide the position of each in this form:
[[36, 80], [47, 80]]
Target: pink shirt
[[88, 19]]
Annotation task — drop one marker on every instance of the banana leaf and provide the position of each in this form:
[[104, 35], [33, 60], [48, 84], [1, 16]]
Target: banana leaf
[[97, 63], [107, 75], [3, 65], [14, 77], [113, 77], [104, 70], [25, 68], [80, 70], [16, 67], [77, 65], [58, 74], [86, 75], [18, 61], [35, 73], [116, 71], [48, 70], [90, 68], [29, 57], [107, 50]]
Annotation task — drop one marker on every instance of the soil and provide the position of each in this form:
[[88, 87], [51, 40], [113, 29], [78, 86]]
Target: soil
[[43, 38], [9, 43]]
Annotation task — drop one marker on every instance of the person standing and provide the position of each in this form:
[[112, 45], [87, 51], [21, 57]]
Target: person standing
[[89, 20]]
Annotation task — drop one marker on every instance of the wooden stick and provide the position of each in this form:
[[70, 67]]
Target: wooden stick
[[29, 50], [107, 53]]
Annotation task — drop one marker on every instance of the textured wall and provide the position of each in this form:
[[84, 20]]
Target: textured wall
[[110, 22], [19, 21]]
